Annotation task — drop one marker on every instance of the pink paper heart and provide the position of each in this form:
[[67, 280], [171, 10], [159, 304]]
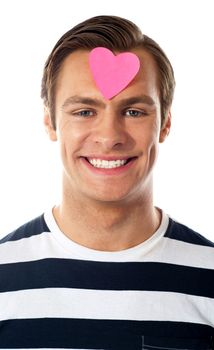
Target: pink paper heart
[[112, 73]]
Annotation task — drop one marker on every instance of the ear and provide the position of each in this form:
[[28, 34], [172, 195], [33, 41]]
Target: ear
[[48, 125], [165, 128]]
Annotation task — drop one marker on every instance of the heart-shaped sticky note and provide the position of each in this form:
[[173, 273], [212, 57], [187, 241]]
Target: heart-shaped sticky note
[[112, 73]]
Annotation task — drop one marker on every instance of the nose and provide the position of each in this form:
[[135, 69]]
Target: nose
[[110, 132]]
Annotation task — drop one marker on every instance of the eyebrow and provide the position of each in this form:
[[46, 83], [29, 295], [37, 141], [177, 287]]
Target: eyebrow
[[72, 100], [83, 100], [138, 99]]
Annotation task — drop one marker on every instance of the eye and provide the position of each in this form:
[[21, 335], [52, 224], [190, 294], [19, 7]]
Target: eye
[[134, 113], [84, 113]]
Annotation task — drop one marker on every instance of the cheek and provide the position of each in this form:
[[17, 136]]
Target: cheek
[[153, 145], [71, 138], [148, 142], [71, 133], [153, 142], [147, 136]]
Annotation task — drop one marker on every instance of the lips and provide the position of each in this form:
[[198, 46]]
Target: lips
[[108, 158], [126, 160], [105, 166], [108, 163]]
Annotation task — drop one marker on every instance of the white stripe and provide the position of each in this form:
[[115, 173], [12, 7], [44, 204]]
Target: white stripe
[[97, 304], [166, 250], [187, 254]]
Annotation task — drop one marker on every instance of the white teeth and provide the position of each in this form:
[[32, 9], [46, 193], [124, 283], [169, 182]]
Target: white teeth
[[107, 164]]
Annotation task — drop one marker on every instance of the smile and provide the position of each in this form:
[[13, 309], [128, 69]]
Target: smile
[[107, 164], [111, 166]]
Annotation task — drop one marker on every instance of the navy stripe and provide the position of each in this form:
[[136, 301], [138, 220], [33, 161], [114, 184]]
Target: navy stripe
[[183, 233], [69, 273], [99, 334], [31, 228]]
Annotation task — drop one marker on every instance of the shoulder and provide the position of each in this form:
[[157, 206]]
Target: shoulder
[[181, 232], [30, 228]]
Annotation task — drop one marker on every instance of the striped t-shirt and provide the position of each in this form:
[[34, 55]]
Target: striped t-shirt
[[57, 294]]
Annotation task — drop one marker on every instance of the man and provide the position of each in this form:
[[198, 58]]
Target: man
[[105, 269]]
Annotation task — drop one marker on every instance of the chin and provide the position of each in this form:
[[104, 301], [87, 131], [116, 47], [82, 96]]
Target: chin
[[111, 196]]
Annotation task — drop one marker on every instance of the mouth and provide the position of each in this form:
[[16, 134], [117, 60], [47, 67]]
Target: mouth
[[109, 164]]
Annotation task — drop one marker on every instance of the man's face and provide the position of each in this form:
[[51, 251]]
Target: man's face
[[108, 147]]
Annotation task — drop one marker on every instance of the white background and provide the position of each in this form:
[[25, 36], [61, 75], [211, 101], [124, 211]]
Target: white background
[[30, 167]]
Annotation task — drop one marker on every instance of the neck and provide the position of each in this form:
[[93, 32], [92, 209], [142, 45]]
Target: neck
[[107, 226]]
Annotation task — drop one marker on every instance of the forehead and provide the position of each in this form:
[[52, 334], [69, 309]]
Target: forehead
[[75, 74]]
